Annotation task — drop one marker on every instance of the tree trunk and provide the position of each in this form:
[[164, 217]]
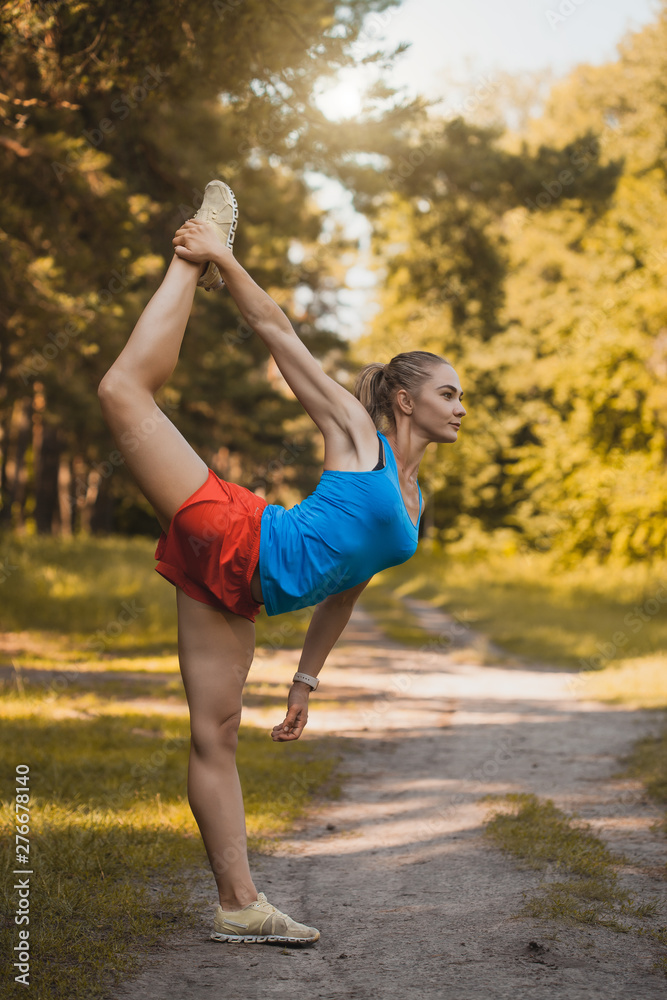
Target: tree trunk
[[46, 480], [5, 427], [64, 497], [5, 501], [101, 521], [20, 438], [92, 492]]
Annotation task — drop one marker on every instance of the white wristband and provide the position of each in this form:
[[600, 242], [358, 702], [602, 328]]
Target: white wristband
[[307, 679]]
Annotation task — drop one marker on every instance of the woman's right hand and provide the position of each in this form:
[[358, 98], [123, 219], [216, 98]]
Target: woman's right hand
[[296, 717]]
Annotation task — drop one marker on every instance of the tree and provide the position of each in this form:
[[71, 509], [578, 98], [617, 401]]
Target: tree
[[534, 262], [106, 147]]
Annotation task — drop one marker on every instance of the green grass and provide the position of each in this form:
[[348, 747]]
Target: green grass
[[117, 865], [390, 613], [113, 841], [648, 763], [104, 594], [641, 683], [76, 588], [582, 885], [534, 610]]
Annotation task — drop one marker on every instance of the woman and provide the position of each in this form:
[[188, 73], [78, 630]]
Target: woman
[[228, 551]]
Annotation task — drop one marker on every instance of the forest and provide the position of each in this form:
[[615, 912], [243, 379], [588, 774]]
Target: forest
[[532, 255]]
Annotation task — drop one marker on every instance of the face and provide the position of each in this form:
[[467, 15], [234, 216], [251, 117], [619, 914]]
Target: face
[[438, 411]]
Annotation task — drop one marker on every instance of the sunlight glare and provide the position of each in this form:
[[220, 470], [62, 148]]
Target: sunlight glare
[[341, 101]]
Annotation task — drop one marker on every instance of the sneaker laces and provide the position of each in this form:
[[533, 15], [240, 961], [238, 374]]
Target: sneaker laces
[[261, 898]]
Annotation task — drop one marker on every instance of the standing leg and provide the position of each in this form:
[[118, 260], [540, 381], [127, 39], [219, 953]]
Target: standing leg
[[165, 467], [215, 650]]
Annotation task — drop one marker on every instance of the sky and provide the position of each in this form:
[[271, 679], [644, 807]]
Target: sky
[[468, 41], [470, 38], [511, 35]]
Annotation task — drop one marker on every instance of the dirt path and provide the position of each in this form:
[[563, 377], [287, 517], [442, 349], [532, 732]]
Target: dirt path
[[410, 899]]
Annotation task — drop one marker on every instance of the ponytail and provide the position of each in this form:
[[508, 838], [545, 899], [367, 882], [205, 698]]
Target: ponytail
[[371, 390], [377, 384]]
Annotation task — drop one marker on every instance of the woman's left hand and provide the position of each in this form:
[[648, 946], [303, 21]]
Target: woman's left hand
[[297, 715], [198, 242]]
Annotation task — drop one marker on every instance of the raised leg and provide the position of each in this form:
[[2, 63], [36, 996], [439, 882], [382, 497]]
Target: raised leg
[[165, 467], [215, 650]]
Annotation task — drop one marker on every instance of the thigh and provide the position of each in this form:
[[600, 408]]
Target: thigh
[[215, 650], [165, 467]]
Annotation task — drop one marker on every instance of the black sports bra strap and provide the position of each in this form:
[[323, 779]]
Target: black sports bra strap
[[380, 464]]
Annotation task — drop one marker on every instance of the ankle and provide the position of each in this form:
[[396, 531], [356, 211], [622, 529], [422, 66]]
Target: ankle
[[237, 902]]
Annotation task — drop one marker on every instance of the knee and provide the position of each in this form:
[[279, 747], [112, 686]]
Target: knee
[[116, 387], [215, 737], [110, 386]]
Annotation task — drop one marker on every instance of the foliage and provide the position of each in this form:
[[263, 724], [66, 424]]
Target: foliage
[[533, 259], [534, 262], [106, 148]]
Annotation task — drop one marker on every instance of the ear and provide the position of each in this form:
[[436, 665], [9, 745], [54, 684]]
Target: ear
[[404, 401]]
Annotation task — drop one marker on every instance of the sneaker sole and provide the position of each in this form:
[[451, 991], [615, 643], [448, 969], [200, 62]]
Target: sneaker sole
[[230, 235], [262, 938]]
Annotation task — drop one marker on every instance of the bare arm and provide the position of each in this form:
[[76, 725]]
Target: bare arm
[[344, 422], [326, 626]]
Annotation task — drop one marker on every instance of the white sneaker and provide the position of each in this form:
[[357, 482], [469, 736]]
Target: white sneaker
[[260, 922], [220, 209]]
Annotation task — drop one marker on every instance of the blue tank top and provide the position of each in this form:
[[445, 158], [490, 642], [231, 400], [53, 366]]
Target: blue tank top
[[353, 525]]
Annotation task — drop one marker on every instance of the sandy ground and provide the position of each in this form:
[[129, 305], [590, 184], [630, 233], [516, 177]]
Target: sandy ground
[[410, 898]]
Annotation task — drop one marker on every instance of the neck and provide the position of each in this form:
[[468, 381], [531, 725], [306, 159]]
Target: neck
[[408, 449]]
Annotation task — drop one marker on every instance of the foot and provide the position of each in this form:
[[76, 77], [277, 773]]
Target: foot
[[260, 922], [220, 210]]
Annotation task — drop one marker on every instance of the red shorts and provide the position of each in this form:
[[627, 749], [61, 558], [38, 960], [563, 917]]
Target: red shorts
[[212, 547]]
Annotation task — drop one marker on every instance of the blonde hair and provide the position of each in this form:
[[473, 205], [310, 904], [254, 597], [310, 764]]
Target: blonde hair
[[377, 384]]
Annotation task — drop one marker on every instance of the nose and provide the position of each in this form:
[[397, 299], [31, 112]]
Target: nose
[[460, 410]]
